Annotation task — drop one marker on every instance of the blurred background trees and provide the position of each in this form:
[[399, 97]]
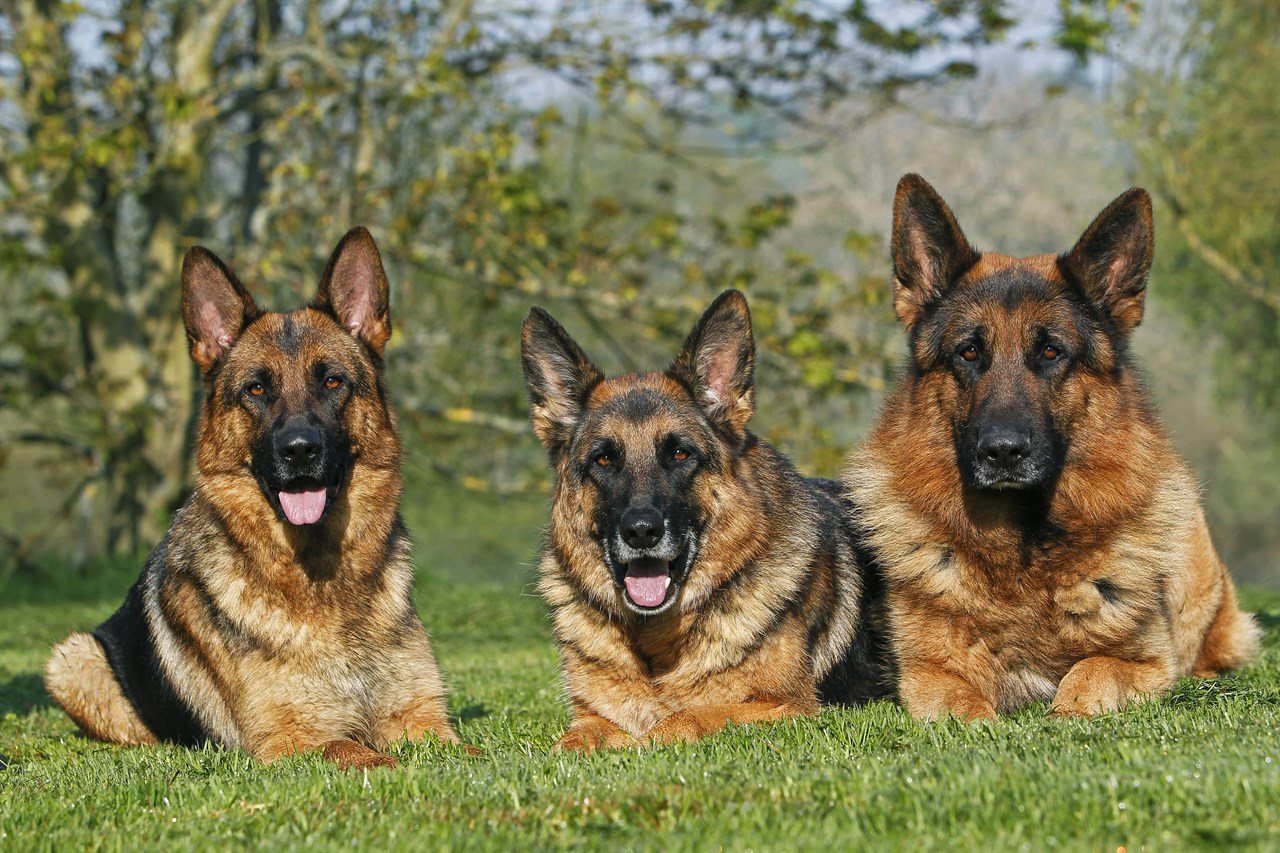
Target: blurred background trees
[[1199, 105], [618, 163]]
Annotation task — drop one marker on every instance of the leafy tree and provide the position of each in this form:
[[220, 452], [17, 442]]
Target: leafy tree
[[1204, 118], [1201, 111], [264, 128]]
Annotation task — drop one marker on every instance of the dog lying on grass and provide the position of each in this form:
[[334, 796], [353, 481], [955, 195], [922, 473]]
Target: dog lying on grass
[[694, 577], [276, 615], [1040, 538]]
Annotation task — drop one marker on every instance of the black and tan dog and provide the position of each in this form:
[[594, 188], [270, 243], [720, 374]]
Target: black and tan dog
[[1040, 538], [694, 577], [276, 615]]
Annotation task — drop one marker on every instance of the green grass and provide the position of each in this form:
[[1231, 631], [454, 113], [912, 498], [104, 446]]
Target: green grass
[[1197, 769]]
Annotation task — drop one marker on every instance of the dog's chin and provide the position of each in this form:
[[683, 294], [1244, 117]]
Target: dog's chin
[[1004, 485], [1005, 481]]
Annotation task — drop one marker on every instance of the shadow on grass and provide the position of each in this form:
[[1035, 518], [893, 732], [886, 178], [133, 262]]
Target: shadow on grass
[[472, 712], [23, 694], [1269, 621]]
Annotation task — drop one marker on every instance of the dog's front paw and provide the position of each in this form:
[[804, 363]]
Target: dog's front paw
[[968, 709], [965, 708], [1100, 685], [680, 727], [350, 755], [931, 693], [592, 734]]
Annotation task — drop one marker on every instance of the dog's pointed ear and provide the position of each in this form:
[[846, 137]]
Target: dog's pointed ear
[[557, 374], [929, 250], [354, 289], [1112, 259], [718, 362], [215, 307]]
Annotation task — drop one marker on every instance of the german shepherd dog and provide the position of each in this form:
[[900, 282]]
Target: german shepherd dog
[[694, 577], [1040, 538], [276, 615]]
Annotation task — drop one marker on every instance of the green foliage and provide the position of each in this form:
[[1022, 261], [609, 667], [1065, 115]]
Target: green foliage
[[1201, 113], [1204, 121], [1086, 26], [502, 154], [1196, 769]]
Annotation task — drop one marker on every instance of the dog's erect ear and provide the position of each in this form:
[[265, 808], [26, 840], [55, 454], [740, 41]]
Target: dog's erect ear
[[718, 361], [215, 307], [557, 374], [354, 288], [1112, 259], [929, 250]]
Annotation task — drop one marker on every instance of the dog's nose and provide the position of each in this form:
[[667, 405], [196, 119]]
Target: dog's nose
[[298, 446], [642, 527], [1004, 446]]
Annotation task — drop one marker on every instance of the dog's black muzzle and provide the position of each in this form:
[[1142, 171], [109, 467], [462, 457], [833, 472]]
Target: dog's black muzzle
[[1006, 455], [301, 468], [649, 557]]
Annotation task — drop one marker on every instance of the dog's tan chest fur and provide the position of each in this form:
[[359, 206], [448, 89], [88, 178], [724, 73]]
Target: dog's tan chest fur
[[637, 675]]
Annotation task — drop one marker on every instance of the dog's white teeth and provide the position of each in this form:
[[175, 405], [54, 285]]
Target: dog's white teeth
[[666, 582]]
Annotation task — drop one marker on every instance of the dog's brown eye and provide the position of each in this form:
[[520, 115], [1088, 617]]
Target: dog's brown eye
[[604, 460], [680, 455], [969, 353], [332, 382], [257, 389], [1050, 352]]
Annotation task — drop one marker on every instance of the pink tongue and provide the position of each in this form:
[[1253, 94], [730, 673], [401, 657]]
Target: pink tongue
[[646, 581], [303, 507]]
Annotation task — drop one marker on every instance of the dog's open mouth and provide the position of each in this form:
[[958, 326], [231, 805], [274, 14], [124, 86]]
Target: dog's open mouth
[[303, 501], [650, 584], [304, 507], [647, 581]]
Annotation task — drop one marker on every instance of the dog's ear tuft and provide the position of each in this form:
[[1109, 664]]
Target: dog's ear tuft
[[354, 288], [718, 362], [1112, 259], [215, 307], [558, 375], [929, 250]]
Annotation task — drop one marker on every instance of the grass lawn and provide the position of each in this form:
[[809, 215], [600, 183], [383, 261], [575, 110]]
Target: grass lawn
[[1199, 768]]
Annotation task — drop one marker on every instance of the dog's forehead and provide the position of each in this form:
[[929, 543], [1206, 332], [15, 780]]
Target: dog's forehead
[[994, 264], [302, 337], [1013, 297], [640, 404]]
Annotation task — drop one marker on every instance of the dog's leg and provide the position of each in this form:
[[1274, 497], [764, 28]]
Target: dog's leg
[[412, 702], [415, 720], [1231, 641], [419, 719], [80, 680], [1099, 684], [284, 729], [695, 723], [929, 692], [590, 732]]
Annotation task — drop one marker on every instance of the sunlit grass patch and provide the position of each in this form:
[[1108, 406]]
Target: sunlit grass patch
[[1198, 768]]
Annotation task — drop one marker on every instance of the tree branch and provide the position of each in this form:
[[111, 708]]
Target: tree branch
[[1236, 277]]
